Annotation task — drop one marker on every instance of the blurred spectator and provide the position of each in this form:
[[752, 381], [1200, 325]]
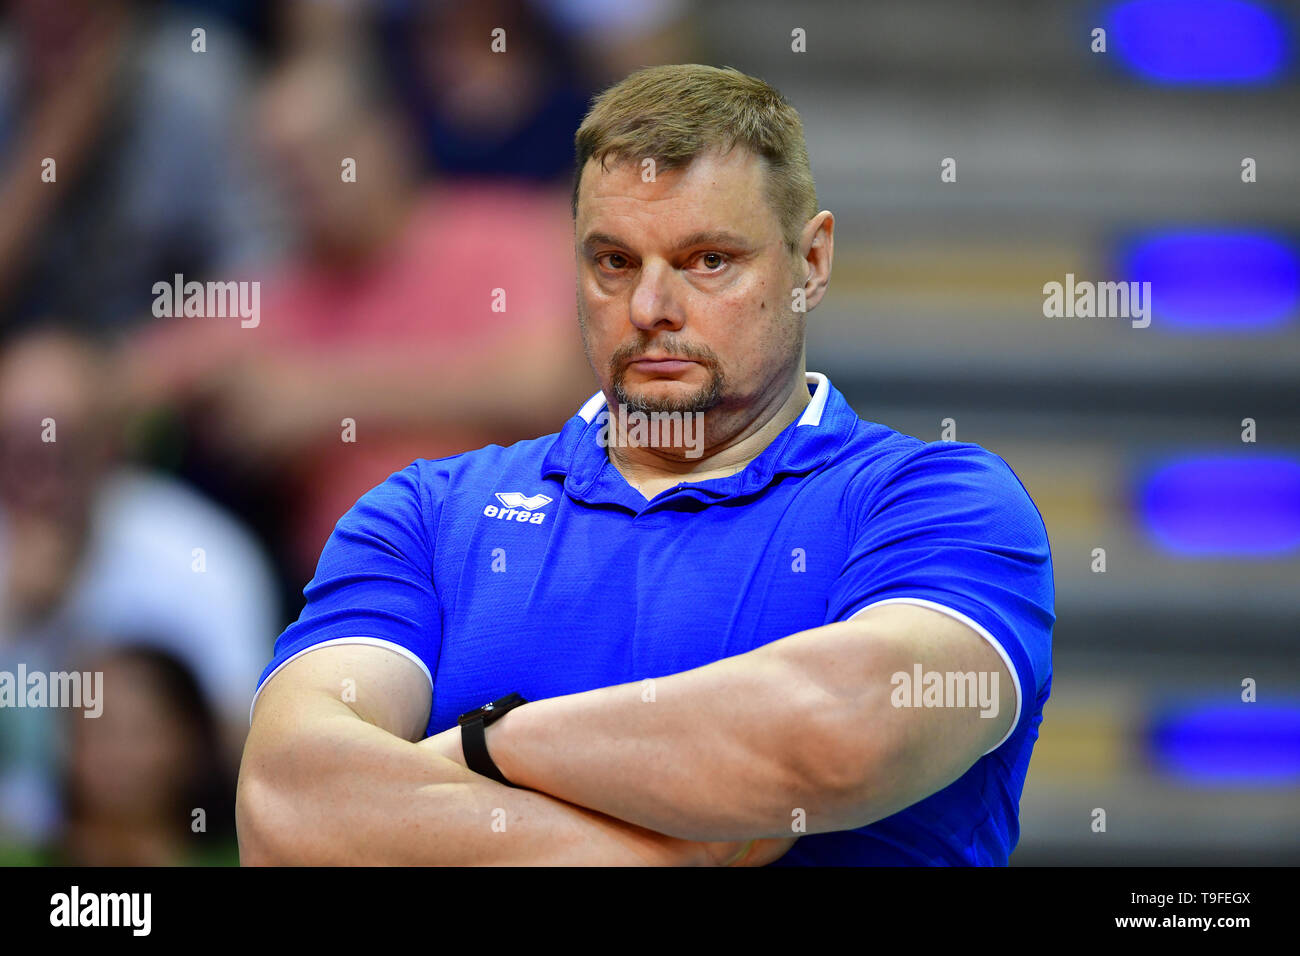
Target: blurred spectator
[[253, 19], [386, 319], [484, 112], [615, 39], [145, 783], [503, 104], [89, 545], [151, 178]]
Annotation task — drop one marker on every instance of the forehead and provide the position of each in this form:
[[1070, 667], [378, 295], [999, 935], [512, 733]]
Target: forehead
[[715, 191]]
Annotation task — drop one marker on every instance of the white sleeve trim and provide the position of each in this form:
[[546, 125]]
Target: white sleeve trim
[[335, 642], [979, 629]]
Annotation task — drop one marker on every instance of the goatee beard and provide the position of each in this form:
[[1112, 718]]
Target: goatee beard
[[704, 399]]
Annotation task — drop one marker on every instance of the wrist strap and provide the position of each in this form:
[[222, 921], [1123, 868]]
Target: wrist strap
[[473, 743]]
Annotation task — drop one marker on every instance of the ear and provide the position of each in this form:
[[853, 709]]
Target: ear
[[816, 250]]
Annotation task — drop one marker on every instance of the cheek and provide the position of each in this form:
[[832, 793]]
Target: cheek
[[598, 305], [755, 327], [600, 327], [755, 308], [597, 320]]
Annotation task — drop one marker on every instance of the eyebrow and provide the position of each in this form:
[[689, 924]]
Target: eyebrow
[[704, 237]]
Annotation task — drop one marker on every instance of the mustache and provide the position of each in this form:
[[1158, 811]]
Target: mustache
[[631, 352]]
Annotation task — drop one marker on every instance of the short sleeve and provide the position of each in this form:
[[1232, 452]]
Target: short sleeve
[[373, 583], [953, 529]]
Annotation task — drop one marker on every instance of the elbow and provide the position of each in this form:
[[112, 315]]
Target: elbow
[[261, 839], [269, 823]]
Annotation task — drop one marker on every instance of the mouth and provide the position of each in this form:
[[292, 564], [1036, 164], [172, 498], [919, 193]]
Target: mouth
[[664, 365]]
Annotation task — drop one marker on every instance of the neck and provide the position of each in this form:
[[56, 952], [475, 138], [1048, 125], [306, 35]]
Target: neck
[[660, 466]]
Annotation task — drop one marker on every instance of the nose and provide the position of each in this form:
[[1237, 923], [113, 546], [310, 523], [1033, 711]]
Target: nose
[[655, 303]]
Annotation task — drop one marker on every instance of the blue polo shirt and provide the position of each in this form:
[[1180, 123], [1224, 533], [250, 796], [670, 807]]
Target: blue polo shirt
[[537, 568]]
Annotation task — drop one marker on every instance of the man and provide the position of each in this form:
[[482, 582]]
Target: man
[[760, 646]]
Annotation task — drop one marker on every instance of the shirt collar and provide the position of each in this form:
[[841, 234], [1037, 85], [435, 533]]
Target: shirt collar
[[578, 458]]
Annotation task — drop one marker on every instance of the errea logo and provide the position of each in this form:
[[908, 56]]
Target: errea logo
[[518, 507]]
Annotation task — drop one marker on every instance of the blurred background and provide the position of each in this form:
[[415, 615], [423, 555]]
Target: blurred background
[[200, 463]]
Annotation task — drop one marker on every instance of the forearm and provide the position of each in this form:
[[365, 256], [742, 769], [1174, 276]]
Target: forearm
[[62, 126], [807, 722], [732, 749], [345, 792]]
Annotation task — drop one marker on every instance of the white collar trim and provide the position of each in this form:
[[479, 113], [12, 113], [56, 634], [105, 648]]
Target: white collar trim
[[812, 415]]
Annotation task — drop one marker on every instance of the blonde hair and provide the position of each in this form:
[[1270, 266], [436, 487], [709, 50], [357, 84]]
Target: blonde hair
[[673, 113]]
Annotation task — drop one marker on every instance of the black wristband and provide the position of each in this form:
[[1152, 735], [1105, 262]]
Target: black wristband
[[473, 736], [473, 743]]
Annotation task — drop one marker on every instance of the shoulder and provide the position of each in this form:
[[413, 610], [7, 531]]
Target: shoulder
[[886, 469]]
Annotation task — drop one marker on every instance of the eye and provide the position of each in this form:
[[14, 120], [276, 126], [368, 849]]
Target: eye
[[612, 260], [712, 261]]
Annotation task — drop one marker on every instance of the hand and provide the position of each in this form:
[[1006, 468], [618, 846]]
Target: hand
[[757, 852], [446, 744], [656, 849]]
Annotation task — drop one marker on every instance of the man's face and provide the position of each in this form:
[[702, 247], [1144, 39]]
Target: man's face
[[684, 285], [47, 377]]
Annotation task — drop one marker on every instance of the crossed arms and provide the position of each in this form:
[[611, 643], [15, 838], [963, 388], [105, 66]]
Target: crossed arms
[[712, 771]]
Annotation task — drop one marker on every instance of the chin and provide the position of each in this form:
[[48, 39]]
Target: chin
[[673, 398]]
